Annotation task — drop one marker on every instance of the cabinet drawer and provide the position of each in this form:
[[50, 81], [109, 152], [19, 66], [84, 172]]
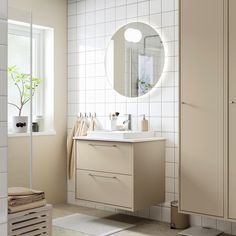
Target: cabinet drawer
[[110, 157], [106, 188]]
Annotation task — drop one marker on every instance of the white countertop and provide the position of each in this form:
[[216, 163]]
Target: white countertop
[[124, 140]]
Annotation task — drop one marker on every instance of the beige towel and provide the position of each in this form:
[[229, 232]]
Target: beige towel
[[80, 128], [91, 124], [96, 125], [24, 199], [14, 209], [18, 196], [84, 127], [21, 191], [71, 148]]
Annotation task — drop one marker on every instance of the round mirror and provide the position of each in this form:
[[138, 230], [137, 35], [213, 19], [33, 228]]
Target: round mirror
[[134, 59]]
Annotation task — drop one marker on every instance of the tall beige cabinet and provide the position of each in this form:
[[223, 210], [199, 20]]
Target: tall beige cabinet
[[207, 108], [232, 110]]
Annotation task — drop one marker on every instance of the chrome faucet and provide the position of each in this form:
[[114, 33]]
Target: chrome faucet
[[127, 123]]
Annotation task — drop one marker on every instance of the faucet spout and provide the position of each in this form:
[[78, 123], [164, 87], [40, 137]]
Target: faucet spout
[[128, 123]]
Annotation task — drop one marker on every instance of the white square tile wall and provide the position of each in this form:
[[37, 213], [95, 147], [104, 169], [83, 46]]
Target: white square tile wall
[[3, 117], [91, 24]]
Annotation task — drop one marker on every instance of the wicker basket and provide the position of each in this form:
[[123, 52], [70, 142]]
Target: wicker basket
[[32, 222]]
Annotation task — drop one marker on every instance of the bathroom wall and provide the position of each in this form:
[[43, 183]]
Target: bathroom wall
[[91, 24], [49, 151], [3, 118]]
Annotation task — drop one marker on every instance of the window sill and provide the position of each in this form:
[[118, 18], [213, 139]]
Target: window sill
[[42, 133]]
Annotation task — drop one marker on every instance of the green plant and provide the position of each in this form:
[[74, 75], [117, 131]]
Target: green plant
[[22, 82], [144, 86]]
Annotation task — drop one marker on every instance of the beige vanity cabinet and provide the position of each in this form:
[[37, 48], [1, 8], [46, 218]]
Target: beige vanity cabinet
[[126, 175], [207, 107]]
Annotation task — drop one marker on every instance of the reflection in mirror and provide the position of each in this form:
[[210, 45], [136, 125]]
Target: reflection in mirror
[[135, 59]]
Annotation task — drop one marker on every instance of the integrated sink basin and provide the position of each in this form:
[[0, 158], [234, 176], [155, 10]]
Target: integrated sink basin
[[120, 134]]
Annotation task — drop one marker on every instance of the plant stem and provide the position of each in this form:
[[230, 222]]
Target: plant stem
[[33, 91], [14, 105], [16, 85]]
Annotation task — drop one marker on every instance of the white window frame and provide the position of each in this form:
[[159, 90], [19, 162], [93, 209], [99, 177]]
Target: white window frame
[[38, 59], [44, 58]]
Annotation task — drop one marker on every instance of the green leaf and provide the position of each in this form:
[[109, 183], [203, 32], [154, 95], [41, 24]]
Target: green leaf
[[22, 82]]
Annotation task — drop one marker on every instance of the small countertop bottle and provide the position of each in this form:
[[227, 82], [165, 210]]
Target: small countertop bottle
[[144, 124]]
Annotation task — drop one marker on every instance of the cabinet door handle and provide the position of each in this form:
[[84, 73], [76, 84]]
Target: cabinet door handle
[[231, 102], [103, 176], [185, 103], [102, 145], [188, 104]]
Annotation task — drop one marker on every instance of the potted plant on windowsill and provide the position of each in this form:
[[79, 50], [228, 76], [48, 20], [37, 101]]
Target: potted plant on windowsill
[[22, 82]]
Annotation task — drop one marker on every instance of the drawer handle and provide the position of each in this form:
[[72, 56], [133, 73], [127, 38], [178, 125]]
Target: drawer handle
[[103, 176], [102, 145], [232, 102]]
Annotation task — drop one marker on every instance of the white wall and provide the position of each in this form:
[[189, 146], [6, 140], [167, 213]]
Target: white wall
[[91, 24], [3, 118]]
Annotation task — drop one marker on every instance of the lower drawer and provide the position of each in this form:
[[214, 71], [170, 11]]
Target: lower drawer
[[106, 188]]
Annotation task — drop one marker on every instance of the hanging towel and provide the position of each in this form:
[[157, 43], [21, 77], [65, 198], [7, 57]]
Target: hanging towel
[[81, 127], [91, 124], [71, 148], [84, 127], [96, 124]]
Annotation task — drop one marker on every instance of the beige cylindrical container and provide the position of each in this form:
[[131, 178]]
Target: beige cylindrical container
[[144, 124], [178, 220]]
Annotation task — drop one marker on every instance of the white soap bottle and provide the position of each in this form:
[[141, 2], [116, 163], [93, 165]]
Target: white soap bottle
[[144, 124]]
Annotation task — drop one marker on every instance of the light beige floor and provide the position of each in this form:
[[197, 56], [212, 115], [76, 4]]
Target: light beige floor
[[143, 227]]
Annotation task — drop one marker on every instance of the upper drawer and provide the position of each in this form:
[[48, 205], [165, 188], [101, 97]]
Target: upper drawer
[[104, 156]]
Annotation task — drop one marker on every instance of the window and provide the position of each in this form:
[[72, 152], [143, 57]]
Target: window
[[42, 55]]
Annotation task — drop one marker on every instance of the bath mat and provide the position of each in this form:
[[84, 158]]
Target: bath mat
[[91, 225], [197, 230]]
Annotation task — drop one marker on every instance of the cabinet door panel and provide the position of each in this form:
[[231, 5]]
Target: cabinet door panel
[[232, 109], [202, 73]]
